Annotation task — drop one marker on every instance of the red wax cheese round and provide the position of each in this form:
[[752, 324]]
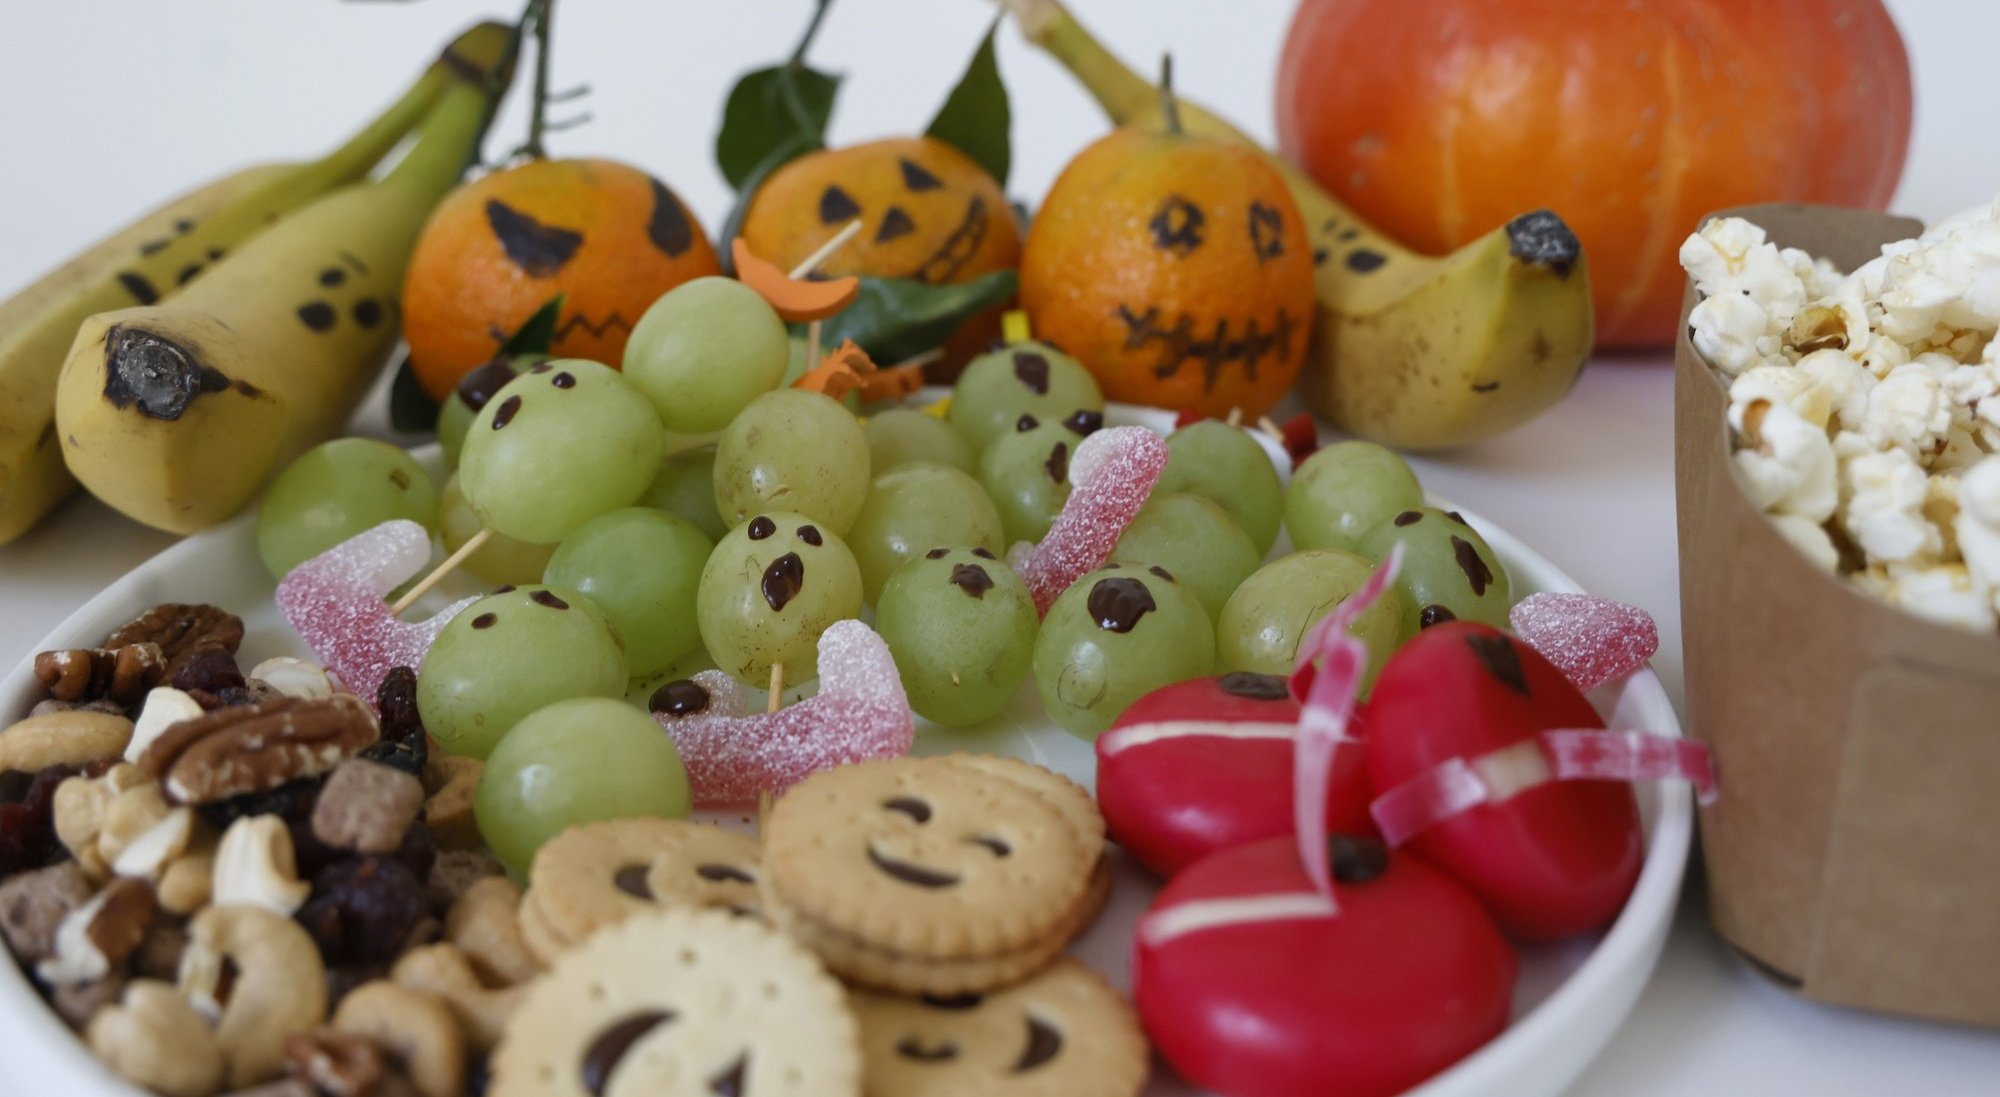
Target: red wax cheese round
[[1251, 988], [1207, 764], [1558, 857]]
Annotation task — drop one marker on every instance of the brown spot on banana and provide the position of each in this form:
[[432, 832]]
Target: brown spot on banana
[[157, 377]]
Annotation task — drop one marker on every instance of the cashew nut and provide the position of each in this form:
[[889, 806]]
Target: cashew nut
[[452, 782], [147, 856], [416, 1030], [485, 924], [78, 737], [155, 1039], [132, 813], [259, 975], [445, 972], [294, 677], [189, 881], [80, 807], [255, 866], [165, 707]]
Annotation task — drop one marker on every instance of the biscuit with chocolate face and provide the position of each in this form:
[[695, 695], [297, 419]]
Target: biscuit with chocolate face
[[682, 1003], [599, 874]]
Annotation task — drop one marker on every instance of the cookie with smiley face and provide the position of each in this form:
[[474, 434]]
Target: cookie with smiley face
[[682, 1003], [598, 874], [927, 861], [1063, 1033]]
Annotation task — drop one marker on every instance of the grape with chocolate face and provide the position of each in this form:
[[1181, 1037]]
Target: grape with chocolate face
[[1265, 621], [509, 654], [962, 627], [1030, 378], [1449, 571], [769, 589], [1119, 633], [1026, 471]]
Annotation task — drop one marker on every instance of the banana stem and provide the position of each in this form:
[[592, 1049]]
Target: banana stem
[[359, 154], [449, 137], [1122, 93]]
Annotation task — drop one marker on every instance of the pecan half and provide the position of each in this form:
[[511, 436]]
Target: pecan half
[[254, 748], [97, 937], [181, 630], [122, 674]]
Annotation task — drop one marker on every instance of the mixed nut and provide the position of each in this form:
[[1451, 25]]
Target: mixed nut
[[250, 883]]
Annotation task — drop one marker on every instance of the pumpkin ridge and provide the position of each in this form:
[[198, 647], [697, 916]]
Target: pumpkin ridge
[[1674, 161]]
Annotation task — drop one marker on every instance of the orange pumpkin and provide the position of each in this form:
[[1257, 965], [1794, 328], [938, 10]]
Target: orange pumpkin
[[928, 211], [609, 236], [1631, 120], [1177, 269]]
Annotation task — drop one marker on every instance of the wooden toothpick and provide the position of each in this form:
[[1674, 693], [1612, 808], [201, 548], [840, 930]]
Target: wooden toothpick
[[770, 705], [438, 573], [811, 264]]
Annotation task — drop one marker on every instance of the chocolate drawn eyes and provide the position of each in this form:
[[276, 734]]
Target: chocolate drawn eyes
[[910, 806]]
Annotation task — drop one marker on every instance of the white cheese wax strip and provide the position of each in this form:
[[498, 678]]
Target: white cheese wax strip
[[1196, 915], [1123, 739]]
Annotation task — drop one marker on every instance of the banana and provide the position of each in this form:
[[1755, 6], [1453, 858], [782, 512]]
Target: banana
[[1413, 351], [177, 413], [144, 262]]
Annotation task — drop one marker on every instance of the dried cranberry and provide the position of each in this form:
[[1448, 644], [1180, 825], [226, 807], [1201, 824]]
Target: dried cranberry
[[28, 828], [210, 669], [419, 850], [404, 745], [226, 697], [363, 910]]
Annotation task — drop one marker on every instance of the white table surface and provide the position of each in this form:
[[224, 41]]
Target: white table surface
[[115, 104]]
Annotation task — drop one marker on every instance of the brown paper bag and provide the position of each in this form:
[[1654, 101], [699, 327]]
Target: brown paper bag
[[1855, 852]]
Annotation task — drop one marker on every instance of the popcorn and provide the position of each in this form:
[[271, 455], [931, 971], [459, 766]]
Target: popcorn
[[1787, 465], [1885, 508], [1867, 405]]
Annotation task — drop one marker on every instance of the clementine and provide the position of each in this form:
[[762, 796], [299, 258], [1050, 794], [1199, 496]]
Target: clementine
[[608, 236], [1176, 268]]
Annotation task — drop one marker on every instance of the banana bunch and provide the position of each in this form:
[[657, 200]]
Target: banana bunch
[[210, 253], [1413, 351]]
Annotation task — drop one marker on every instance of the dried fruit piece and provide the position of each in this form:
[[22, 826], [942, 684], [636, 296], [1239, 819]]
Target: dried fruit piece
[[363, 910]]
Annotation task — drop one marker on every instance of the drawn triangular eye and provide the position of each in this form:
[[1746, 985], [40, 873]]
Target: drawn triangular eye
[[836, 206], [916, 178]]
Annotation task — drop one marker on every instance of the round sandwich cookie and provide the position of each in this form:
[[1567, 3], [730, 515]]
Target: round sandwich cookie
[[682, 1003], [599, 874], [1062, 1033]]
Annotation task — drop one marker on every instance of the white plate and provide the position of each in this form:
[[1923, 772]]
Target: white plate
[[1569, 1000]]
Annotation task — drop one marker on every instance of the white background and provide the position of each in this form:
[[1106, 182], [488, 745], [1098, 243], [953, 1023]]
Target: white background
[[110, 106]]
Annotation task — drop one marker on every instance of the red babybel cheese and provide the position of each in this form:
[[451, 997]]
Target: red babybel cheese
[[1549, 857], [1252, 984], [1207, 764]]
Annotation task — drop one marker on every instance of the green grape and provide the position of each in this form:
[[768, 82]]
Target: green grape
[[914, 509], [1032, 378], [1341, 492], [1449, 571], [557, 446], [704, 351], [336, 490], [1027, 474], [471, 393], [962, 627], [501, 559], [685, 485], [901, 436], [1196, 540], [509, 654], [1117, 634], [1268, 617], [641, 567], [771, 586], [1226, 466], [572, 762], [639, 691], [793, 450]]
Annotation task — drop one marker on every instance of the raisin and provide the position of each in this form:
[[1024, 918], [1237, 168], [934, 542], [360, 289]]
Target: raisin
[[226, 697], [404, 745], [478, 1076], [363, 910], [290, 802], [419, 850], [28, 828], [343, 979], [210, 669]]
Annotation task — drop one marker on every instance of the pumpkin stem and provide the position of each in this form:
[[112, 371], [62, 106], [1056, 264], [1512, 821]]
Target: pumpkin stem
[[1170, 108]]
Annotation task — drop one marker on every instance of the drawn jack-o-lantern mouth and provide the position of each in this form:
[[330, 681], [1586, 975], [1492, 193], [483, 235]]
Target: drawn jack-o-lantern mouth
[[1214, 345], [943, 264]]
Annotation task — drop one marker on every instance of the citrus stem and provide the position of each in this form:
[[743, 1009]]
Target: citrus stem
[[812, 30], [539, 10], [1170, 108]]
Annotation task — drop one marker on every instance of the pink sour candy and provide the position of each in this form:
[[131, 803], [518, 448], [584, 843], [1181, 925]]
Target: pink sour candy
[[1591, 640], [1111, 475], [335, 602], [860, 713]]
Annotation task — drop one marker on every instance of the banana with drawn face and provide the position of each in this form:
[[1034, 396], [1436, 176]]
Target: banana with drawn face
[[1414, 351], [146, 262], [177, 413]]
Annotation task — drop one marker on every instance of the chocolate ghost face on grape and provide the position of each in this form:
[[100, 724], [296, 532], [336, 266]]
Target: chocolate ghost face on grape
[[771, 586]]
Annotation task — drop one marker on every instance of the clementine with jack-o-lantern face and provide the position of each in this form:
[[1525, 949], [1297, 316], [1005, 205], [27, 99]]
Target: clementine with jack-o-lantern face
[[928, 212], [1177, 269], [608, 236]]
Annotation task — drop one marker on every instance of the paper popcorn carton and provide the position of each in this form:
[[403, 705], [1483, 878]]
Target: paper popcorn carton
[[1854, 855]]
